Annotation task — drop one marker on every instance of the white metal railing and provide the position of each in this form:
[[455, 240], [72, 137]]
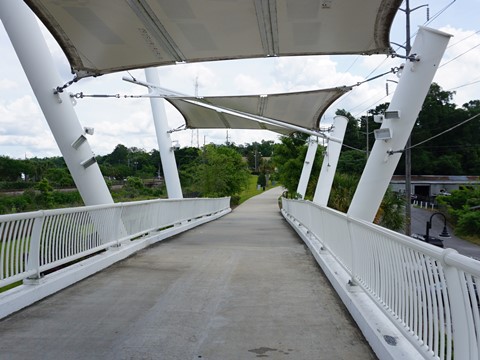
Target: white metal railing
[[429, 293], [35, 242]]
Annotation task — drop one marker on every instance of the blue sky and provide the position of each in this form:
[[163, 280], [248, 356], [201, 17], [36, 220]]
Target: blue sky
[[24, 132]]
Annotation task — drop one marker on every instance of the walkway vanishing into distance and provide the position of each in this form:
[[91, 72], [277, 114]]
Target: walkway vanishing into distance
[[241, 287]]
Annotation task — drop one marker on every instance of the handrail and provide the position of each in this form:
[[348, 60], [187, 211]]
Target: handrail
[[34, 242], [429, 294]]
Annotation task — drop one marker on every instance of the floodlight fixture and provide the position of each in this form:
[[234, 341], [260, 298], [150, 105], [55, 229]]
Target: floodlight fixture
[[383, 134], [81, 139], [392, 114], [88, 162]]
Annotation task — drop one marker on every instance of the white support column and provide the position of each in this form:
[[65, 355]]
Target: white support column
[[407, 100], [307, 165], [32, 51], [169, 165], [330, 162]]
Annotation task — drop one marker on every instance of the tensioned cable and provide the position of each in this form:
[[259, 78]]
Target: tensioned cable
[[439, 134], [446, 131], [354, 148], [467, 84], [465, 38], [456, 57], [81, 95]]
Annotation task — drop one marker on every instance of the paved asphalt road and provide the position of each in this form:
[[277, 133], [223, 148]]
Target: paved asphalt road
[[419, 221]]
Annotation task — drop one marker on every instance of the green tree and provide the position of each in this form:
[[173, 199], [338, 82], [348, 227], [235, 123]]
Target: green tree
[[343, 189], [391, 212], [59, 177], [133, 187], [10, 169], [352, 162], [288, 159], [46, 194], [222, 172], [461, 207]]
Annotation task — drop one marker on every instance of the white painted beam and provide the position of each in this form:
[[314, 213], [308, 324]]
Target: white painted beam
[[330, 162], [36, 60], [167, 155], [408, 98], [307, 166]]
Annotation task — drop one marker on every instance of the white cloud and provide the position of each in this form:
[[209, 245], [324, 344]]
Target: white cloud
[[6, 84]]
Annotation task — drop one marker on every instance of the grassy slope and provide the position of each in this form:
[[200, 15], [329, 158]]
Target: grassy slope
[[251, 190]]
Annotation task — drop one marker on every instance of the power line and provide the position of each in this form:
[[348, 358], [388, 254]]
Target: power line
[[465, 38], [446, 131], [467, 84], [440, 13], [456, 57]]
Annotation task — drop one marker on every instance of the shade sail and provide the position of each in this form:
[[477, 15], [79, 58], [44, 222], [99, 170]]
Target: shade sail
[[105, 36], [302, 109]]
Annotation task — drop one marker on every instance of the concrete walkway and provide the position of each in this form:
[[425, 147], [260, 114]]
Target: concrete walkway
[[241, 287]]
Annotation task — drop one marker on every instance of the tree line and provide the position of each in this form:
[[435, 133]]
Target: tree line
[[456, 152], [223, 170]]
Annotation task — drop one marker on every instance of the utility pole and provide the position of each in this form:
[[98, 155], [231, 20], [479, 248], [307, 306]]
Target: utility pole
[[366, 127], [407, 152]]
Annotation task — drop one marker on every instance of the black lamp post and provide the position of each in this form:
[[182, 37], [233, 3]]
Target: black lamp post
[[444, 233]]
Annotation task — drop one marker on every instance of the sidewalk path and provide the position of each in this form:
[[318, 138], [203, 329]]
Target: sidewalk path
[[241, 287]]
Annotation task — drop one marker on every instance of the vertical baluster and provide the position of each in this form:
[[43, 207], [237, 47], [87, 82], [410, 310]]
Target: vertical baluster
[[3, 243]]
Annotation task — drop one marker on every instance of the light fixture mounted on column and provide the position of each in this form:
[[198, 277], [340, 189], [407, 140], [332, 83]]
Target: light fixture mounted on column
[[88, 162], [383, 134]]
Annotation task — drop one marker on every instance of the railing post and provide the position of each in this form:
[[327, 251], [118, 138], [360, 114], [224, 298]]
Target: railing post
[[459, 308], [353, 281], [117, 219], [33, 262]]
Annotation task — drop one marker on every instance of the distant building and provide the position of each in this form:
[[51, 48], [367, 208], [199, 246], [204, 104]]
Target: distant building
[[426, 187]]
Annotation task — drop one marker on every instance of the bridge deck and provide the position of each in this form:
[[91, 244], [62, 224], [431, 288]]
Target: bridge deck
[[241, 287]]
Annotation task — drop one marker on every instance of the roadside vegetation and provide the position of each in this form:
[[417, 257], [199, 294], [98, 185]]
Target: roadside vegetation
[[463, 209], [228, 170]]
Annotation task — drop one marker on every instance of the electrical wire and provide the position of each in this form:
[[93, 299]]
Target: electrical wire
[[439, 13], [467, 84], [456, 57], [446, 131], [461, 40]]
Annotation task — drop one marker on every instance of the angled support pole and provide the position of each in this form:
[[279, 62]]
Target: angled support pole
[[307, 166], [167, 155], [32, 51], [330, 162], [413, 86]]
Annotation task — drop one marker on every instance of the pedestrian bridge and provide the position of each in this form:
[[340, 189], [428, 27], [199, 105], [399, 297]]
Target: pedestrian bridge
[[243, 286]]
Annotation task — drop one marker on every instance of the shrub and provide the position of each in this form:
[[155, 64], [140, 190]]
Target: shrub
[[468, 223]]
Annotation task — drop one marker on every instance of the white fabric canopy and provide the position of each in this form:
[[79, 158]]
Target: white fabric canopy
[[105, 36], [303, 109]]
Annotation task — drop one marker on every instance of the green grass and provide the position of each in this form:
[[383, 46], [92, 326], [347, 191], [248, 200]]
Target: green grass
[[251, 190], [11, 286]]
